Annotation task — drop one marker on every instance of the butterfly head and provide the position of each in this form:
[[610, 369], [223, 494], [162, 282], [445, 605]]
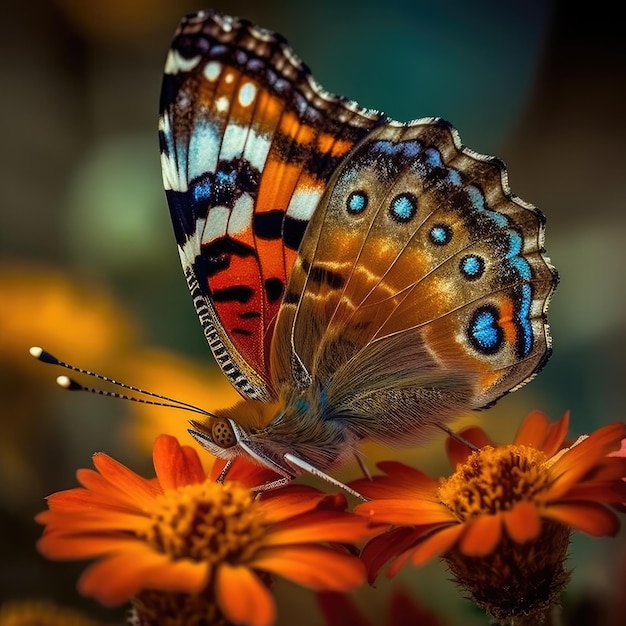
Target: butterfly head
[[241, 431], [281, 436]]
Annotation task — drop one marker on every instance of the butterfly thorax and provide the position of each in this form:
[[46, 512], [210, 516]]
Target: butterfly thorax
[[298, 424]]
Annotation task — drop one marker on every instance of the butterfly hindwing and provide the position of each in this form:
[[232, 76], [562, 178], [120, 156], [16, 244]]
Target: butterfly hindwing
[[248, 143], [421, 285]]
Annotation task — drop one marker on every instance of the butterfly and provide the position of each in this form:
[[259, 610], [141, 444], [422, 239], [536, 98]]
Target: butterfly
[[356, 277]]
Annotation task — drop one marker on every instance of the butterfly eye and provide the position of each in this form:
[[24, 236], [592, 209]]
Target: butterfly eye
[[223, 434]]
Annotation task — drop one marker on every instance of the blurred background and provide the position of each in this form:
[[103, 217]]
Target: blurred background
[[90, 271]]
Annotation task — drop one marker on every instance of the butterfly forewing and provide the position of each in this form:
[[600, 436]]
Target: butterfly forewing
[[248, 143]]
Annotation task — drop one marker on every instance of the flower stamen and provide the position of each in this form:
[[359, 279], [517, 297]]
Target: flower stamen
[[493, 480], [207, 522]]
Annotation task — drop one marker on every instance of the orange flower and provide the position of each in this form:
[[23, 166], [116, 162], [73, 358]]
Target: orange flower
[[505, 515], [184, 545]]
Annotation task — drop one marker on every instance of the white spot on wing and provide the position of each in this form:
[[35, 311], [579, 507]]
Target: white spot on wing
[[233, 141], [241, 215], [212, 70], [228, 23], [204, 146], [171, 175], [303, 203], [169, 167], [176, 63], [247, 94], [221, 104], [256, 150], [216, 224], [191, 248]]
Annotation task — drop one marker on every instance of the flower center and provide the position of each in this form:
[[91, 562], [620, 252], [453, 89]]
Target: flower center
[[207, 522], [494, 479]]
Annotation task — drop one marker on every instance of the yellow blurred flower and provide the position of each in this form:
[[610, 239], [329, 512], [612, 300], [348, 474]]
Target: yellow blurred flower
[[82, 323], [41, 613], [120, 20], [202, 385]]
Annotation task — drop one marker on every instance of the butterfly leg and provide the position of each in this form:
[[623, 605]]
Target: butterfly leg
[[272, 484], [224, 472], [314, 471], [363, 465], [458, 437]]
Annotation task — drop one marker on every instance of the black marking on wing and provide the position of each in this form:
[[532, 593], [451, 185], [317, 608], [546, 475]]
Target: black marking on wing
[[216, 256], [274, 288], [237, 293], [293, 232], [269, 224]]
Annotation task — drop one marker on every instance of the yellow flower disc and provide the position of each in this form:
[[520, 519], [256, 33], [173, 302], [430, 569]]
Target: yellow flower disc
[[207, 522], [494, 479]]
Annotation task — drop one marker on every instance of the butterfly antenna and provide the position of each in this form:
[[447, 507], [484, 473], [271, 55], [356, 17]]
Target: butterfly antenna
[[458, 438], [72, 385]]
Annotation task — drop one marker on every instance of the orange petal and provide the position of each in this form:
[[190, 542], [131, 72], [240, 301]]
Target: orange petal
[[320, 526], [79, 499], [96, 484], [609, 468], [245, 472], [126, 481], [438, 543], [458, 451], [412, 512], [242, 597], [556, 436], [609, 492], [402, 482], [287, 502], [570, 467], [61, 547], [175, 468], [622, 450], [115, 579], [182, 576], [98, 492], [194, 465], [482, 535], [316, 567], [386, 546], [589, 517], [96, 520], [522, 522], [533, 430], [398, 563]]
